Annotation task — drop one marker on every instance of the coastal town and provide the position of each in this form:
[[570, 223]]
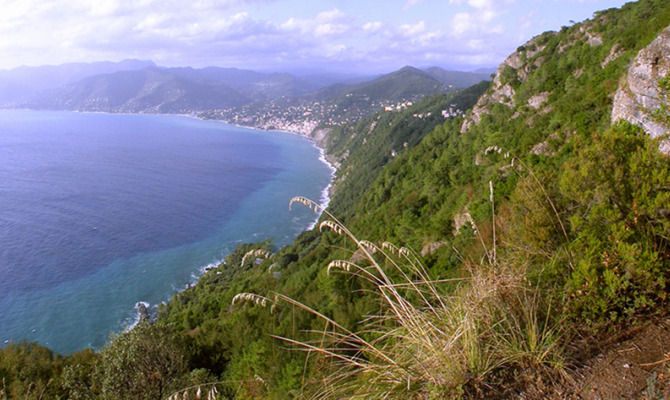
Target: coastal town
[[305, 117]]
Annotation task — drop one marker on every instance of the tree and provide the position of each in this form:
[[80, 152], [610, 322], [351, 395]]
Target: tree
[[143, 363]]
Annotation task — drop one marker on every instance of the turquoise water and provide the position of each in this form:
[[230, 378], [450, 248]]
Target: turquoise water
[[99, 212]]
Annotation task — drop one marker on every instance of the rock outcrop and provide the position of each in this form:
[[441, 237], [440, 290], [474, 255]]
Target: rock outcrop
[[537, 100], [501, 90], [639, 93], [592, 39]]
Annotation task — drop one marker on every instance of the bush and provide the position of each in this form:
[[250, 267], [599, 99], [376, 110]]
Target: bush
[[143, 363], [618, 188]]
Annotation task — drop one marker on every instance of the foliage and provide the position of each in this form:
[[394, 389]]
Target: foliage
[[413, 198], [144, 363], [662, 113], [616, 187], [424, 341], [581, 226], [30, 371]]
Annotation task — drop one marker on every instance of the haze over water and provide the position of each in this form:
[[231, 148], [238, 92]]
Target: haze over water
[[100, 211]]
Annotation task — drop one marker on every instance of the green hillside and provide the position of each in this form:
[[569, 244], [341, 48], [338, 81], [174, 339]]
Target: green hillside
[[501, 247]]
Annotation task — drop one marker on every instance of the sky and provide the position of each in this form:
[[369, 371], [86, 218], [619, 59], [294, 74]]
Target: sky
[[367, 36]]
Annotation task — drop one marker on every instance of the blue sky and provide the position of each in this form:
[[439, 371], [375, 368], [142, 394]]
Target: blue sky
[[362, 35]]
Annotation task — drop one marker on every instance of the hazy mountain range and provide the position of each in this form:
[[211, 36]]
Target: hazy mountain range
[[142, 86]]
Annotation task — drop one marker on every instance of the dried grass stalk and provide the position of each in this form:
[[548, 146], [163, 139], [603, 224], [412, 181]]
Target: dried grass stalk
[[255, 253]]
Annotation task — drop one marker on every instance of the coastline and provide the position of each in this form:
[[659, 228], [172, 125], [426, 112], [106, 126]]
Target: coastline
[[150, 310], [197, 269], [324, 201], [325, 198]]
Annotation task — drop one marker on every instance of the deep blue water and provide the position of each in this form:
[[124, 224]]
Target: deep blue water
[[101, 211]]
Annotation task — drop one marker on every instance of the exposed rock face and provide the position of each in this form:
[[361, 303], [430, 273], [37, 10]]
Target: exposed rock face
[[639, 93], [503, 92], [320, 136], [541, 148], [537, 100], [592, 39], [615, 52]]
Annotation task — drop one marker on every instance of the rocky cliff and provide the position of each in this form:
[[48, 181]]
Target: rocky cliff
[[516, 67], [640, 97]]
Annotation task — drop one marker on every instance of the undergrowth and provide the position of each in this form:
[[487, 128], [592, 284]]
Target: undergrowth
[[430, 338]]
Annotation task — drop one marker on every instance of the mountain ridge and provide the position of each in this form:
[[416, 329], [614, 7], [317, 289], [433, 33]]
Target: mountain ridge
[[264, 100], [542, 229]]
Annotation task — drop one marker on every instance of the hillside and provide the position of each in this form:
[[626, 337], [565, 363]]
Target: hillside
[[518, 251], [457, 79], [343, 103], [20, 84], [146, 90], [264, 100], [168, 90], [545, 121]]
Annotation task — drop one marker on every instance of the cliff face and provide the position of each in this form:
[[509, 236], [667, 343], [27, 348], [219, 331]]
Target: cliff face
[[516, 67], [639, 94]]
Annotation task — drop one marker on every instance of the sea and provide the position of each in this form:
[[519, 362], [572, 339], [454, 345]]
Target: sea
[[100, 212]]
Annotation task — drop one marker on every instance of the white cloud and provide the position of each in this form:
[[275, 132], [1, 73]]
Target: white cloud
[[475, 44], [330, 29], [413, 29], [372, 26], [462, 23], [231, 33], [331, 15], [326, 23]]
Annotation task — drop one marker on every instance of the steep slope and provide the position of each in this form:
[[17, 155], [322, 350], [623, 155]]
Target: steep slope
[[642, 96], [580, 250], [375, 141], [542, 127]]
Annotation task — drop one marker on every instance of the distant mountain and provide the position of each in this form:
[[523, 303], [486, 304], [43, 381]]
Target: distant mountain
[[17, 85], [362, 99], [324, 79], [254, 84], [488, 70], [405, 83], [341, 103], [261, 99], [458, 79], [144, 87], [358, 101], [147, 90]]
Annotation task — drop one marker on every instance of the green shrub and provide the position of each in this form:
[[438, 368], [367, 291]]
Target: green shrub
[[617, 188]]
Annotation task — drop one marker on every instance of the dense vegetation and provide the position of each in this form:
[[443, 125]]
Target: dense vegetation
[[530, 211]]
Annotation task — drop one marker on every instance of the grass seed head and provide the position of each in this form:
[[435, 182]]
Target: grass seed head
[[312, 205], [369, 246], [341, 264], [255, 253], [333, 226], [390, 247], [254, 299]]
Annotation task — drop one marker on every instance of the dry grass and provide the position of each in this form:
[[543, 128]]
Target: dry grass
[[255, 299], [203, 391], [429, 343], [255, 253]]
